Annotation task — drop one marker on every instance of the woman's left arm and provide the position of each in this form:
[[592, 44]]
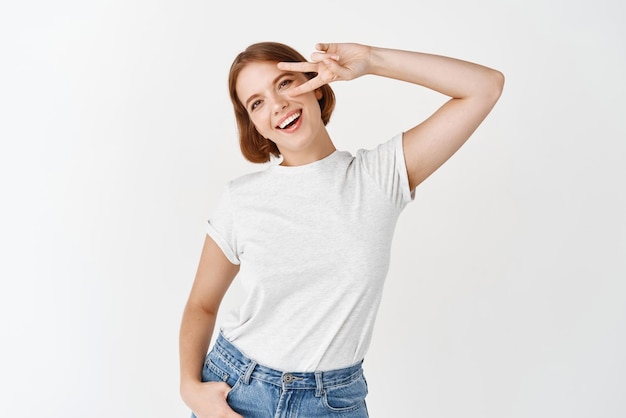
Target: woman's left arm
[[473, 90]]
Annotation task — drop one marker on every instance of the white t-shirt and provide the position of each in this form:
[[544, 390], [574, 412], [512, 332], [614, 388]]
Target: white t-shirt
[[313, 244]]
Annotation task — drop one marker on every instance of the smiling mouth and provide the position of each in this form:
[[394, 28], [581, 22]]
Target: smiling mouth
[[289, 121]]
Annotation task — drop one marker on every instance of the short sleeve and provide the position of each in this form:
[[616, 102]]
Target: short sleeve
[[221, 227], [385, 164]]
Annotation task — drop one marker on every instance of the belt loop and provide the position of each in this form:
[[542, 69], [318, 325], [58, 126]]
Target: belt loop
[[249, 370], [319, 389]]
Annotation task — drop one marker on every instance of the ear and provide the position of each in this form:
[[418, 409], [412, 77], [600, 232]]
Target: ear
[[319, 94]]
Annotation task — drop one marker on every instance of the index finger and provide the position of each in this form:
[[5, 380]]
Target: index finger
[[301, 67]]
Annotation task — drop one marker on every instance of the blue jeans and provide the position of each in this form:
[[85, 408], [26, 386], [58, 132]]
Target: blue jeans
[[261, 392]]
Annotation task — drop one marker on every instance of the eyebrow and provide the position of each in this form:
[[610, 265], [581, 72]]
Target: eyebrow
[[255, 95]]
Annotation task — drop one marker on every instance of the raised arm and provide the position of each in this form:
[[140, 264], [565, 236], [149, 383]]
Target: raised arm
[[473, 90], [213, 278]]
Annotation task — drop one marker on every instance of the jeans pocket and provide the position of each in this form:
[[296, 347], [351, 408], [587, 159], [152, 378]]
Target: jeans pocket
[[218, 369], [346, 397]]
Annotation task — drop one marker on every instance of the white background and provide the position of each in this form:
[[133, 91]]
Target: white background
[[506, 297]]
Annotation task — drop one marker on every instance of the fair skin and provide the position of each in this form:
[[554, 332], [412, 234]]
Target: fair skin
[[275, 94], [264, 91]]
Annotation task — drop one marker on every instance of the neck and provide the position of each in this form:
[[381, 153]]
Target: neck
[[322, 148], [295, 159]]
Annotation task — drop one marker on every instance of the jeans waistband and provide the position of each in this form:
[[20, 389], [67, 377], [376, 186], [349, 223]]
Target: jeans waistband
[[250, 369]]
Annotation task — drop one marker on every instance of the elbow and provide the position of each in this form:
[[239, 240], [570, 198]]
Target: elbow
[[488, 88], [496, 84]]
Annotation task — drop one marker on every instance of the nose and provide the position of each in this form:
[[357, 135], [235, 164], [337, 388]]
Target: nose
[[280, 104]]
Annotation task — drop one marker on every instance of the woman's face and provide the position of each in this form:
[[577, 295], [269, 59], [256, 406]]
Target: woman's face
[[292, 123]]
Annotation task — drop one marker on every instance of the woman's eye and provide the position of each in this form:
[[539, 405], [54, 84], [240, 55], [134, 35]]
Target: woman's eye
[[255, 104], [284, 83]]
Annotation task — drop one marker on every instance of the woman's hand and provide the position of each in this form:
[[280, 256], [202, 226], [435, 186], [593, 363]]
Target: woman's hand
[[208, 400], [331, 62]]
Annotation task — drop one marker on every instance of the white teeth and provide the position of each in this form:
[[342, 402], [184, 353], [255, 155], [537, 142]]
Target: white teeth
[[289, 120]]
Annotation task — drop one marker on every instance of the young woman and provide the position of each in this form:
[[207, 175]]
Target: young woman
[[309, 236]]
